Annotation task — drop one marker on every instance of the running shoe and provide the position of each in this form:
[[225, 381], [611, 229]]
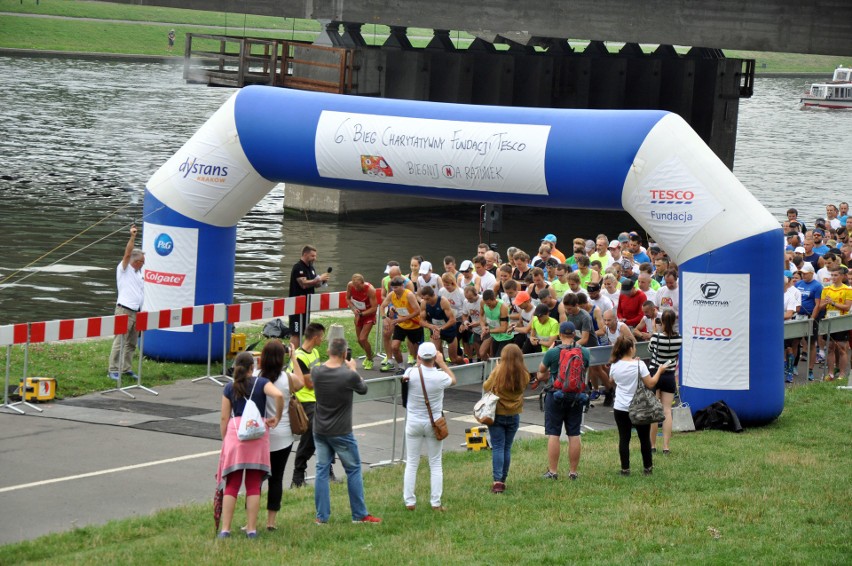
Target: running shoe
[[368, 364], [368, 519], [411, 360], [550, 476], [387, 366], [114, 375], [573, 476], [594, 395], [131, 374], [810, 375], [820, 357]]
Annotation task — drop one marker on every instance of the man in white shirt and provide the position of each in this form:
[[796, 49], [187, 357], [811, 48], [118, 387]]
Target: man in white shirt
[[667, 297], [130, 282], [484, 278]]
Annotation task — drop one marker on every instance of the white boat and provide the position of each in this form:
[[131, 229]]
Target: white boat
[[835, 94]]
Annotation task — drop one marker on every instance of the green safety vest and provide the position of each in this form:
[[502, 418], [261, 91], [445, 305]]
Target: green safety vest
[[310, 360]]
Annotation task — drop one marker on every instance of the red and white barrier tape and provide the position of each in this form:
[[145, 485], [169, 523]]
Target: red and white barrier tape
[[13, 334], [329, 302], [266, 309], [176, 318], [95, 327]]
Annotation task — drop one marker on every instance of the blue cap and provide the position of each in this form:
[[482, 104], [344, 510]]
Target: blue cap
[[549, 238], [788, 274], [567, 328]]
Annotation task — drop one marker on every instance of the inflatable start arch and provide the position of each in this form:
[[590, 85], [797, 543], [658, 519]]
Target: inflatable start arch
[[649, 163]]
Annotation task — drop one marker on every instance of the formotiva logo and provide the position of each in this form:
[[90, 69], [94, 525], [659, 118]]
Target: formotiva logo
[[164, 245], [710, 290], [161, 278], [204, 172]]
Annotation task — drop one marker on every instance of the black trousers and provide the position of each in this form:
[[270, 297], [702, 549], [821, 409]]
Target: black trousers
[[622, 421], [306, 446], [278, 461]]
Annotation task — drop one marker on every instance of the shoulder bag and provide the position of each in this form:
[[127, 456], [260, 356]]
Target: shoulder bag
[[645, 408], [298, 419], [681, 414], [486, 408], [251, 426], [439, 425]]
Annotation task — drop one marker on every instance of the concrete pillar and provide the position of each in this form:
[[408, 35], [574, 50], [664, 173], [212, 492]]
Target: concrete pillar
[[493, 74], [677, 87], [333, 201], [407, 75], [642, 87]]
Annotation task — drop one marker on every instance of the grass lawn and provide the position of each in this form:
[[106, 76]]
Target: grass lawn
[[772, 495], [81, 367]]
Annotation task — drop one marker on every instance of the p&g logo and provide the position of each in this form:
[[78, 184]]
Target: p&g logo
[[164, 245]]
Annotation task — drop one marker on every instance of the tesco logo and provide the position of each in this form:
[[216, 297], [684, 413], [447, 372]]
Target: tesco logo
[[672, 196], [712, 333], [163, 245]]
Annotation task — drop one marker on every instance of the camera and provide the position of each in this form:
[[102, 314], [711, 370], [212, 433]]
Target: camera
[[348, 354]]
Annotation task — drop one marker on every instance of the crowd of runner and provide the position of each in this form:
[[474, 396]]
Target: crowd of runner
[[606, 287]]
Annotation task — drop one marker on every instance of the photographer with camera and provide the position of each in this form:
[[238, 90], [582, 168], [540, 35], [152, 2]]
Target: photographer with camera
[[334, 383]]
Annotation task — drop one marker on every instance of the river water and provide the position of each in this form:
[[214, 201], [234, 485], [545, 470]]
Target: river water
[[79, 139]]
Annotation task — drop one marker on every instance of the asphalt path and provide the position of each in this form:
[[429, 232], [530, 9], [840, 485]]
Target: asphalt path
[[91, 459]]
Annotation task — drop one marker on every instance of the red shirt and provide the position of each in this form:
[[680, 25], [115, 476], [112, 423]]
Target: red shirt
[[630, 307]]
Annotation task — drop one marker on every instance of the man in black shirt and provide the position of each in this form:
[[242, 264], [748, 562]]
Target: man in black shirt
[[303, 281]]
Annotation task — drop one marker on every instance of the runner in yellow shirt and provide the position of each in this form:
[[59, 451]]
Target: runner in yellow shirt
[[837, 300]]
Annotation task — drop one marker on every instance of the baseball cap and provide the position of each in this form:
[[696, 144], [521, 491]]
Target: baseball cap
[[593, 287], [427, 351], [388, 268], [549, 238], [466, 265], [626, 284], [807, 267], [788, 274], [831, 243], [799, 250], [819, 231], [425, 268], [567, 328], [614, 244], [590, 245], [521, 298], [541, 310], [623, 238]]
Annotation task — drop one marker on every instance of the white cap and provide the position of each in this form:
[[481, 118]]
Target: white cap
[[807, 267], [614, 244], [800, 250], [387, 268], [465, 265], [425, 268], [427, 351]]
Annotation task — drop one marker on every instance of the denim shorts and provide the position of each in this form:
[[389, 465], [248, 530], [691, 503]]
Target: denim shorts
[[557, 414]]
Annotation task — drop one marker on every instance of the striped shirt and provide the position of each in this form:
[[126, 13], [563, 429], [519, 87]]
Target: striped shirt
[[664, 348]]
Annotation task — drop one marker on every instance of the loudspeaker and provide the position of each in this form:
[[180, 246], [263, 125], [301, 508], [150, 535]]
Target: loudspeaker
[[493, 218]]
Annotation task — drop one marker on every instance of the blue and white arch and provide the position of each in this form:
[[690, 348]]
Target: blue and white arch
[[649, 163]]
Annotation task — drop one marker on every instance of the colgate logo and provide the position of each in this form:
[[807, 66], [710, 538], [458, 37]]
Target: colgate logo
[[722, 334], [160, 278], [671, 196]]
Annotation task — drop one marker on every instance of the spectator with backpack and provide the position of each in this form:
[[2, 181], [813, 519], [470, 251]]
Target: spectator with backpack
[[250, 457], [564, 369]]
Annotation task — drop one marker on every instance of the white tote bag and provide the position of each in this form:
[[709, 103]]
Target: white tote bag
[[251, 426], [486, 408]]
